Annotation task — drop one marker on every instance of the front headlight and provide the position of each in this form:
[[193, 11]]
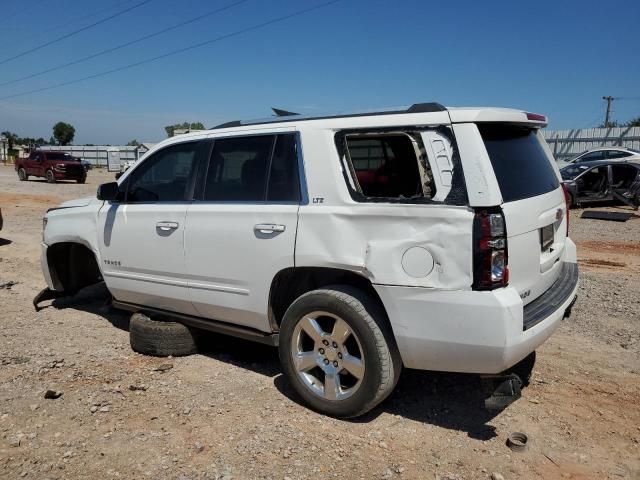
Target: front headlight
[[44, 225]]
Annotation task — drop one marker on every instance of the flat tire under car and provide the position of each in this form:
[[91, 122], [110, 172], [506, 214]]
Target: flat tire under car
[[161, 338]]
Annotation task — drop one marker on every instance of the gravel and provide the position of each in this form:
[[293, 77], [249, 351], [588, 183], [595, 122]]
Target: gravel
[[228, 413]]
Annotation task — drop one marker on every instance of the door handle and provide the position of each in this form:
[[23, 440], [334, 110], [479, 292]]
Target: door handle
[[166, 226], [269, 228]]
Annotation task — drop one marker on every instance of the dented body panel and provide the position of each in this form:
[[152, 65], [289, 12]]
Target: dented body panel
[[372, 239]]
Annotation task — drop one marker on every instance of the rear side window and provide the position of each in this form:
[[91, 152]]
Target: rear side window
[[519, 161], [284, 183], [253, 169], [386, 166], [617, 154]]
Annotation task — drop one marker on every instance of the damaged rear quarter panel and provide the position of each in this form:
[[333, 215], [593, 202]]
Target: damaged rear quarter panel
[[371, 239]]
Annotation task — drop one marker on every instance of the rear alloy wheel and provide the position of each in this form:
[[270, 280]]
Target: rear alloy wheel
[[50, 176], [338, 352], [22, 175], [327, 365]]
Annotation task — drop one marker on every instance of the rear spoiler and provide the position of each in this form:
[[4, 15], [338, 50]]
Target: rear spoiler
[[497, 115]]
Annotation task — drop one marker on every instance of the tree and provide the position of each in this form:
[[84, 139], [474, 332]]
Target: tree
[[63, 133], [634, 122], [133, 143], [12, 139], [170, 129]]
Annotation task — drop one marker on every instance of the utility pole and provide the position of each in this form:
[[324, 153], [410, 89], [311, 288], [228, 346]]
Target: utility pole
[[609, 100]]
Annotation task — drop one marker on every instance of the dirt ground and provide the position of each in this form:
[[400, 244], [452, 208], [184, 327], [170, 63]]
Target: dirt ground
[[228, 413]]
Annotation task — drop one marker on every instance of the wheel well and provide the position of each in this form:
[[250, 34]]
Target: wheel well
[[72, 266], [290, 283]]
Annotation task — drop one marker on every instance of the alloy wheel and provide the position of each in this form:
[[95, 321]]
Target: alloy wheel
[[327, 356]]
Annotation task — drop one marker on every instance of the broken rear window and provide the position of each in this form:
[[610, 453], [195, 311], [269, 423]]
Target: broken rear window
[[387, 166]]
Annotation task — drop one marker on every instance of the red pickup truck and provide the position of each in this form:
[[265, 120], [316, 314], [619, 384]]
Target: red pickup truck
[[53, 166]]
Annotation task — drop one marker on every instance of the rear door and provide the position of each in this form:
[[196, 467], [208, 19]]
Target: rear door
[[533, 205], [241, 231]]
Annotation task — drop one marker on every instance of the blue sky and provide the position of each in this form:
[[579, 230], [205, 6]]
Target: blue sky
[[553, 57]]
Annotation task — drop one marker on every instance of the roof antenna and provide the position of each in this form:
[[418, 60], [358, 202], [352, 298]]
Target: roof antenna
[[283, 113]]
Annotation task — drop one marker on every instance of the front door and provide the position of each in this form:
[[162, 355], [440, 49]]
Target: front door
[[141, 237], [33, 164], [241, 232]]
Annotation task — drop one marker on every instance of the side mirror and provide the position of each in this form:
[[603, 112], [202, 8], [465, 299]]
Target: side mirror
[[108, 191]]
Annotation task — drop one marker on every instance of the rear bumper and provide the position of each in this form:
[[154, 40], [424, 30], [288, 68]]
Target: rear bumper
[[471, 331]]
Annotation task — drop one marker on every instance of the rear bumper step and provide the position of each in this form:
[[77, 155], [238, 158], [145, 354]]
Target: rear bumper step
[[553, 298]]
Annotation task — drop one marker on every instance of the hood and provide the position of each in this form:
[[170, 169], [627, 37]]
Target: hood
[[78, 202]]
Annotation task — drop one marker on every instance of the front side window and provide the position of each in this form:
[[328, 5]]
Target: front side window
[[253, 169], [164, 176]]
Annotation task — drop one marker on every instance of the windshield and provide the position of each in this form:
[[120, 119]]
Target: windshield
[[60, 156], [519, 161], [572, 171]]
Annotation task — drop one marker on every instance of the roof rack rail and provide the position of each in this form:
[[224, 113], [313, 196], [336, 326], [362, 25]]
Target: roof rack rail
[[286, 116]]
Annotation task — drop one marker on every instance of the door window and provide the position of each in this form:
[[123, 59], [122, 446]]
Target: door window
[[594, 180], [622, 176], [164, 176], [591, 156], [253, 169], [284, 182], [617, 154]]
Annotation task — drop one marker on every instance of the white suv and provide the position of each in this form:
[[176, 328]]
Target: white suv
[[431, 238]]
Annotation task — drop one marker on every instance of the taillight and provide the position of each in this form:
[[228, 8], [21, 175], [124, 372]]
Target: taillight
[[536, 117], [490, 260], [567, 204]]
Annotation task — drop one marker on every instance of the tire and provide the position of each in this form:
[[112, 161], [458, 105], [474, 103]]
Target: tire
[[524, 368], [82, 179], [377, 363], [161, 338], [22, 175], [50, 176]]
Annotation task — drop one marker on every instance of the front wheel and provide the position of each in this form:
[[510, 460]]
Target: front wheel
[[22, 175], [338, 352], [82, 179], [50, 176]]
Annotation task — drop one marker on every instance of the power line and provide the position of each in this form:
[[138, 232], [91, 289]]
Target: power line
[[123, 45], [42, 32], [175, 52], [75, 32]]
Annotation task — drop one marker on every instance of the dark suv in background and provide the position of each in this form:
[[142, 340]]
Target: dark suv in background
[[53, 166], [602, 181]]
